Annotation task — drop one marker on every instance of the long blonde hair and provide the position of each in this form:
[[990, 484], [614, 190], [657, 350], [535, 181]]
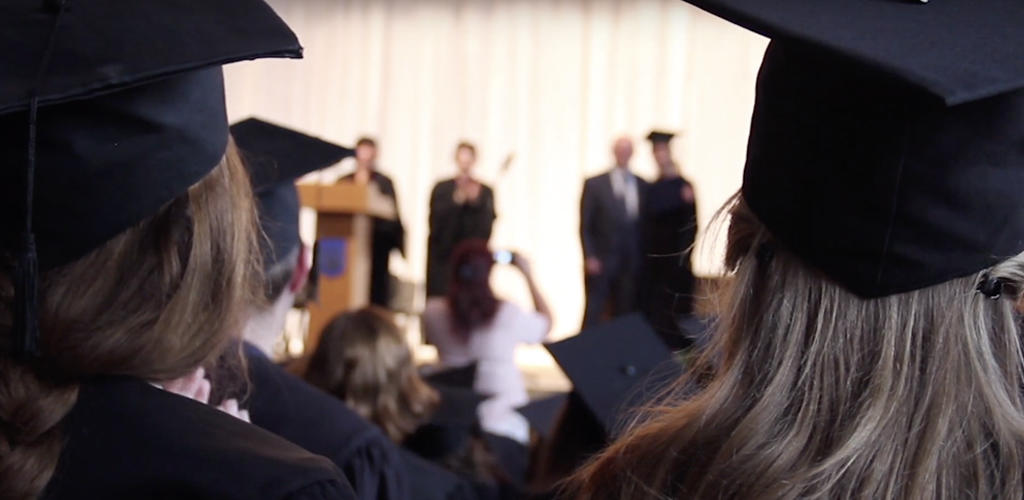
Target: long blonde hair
[[363, 359], [809, 391], [154, 302]]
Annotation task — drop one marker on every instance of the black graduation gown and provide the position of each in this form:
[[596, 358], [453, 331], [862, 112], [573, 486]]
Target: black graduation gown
[[289, 407], [670, 227], [451, 431], [125, 438], [429, 481], [451, 224], [388, 235]]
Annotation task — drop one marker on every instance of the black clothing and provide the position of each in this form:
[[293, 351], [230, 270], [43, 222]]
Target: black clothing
[[289, 407], [670, 227], [388, 235], [450, 224], [128, 439], [429, 481], [608, 233]]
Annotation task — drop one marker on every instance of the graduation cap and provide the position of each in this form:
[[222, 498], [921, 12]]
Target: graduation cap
[[108, 111], [886, 146], [451, 426], [615, 367], [543, 413], [276, 156], [458, 406], [460, 377], [658, 136]]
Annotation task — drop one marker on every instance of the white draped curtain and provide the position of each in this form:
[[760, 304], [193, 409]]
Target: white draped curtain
[[550, 81]]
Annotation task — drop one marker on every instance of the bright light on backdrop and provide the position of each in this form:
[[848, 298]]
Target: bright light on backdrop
[[551, 81]]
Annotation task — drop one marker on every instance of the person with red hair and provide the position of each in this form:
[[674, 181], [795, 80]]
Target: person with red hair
[[472, 325]]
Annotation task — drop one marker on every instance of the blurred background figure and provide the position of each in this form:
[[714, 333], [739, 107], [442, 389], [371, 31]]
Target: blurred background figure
[[388, 234], [461, 208], [473, 325], [279, 401], [670, 228], [610, 232], [363, 359]]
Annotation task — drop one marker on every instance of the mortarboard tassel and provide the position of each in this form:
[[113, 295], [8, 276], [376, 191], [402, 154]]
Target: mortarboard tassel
[[26, 273], [26, 318]]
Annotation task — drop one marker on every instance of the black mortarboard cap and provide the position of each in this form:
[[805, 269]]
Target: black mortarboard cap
[[460, 376], [276, 156], [886, 146], [109, 110], [458, 406], [658, 136], [616, 367], [543, 413]]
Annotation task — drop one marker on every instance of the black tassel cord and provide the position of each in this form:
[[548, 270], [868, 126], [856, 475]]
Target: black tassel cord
[[26, 272]]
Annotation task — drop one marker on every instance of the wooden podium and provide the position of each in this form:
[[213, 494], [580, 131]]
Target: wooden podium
[[344, 232]]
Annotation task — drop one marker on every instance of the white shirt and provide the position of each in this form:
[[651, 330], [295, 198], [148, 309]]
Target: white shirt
[[624, 187], [492, 347]]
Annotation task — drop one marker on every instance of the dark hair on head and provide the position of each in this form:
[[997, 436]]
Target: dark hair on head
[[465, 145], [366, 141], [279, 275], [129, 307], [470, 299]]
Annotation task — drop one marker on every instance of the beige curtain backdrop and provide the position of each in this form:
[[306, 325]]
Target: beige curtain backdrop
[[550, 81]]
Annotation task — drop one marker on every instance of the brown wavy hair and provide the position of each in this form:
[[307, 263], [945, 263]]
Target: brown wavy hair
[[364, 360], [154, 302], [809, 391]]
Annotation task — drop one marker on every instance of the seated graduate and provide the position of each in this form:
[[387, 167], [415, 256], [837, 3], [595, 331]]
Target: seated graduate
[[869, 344], [472, 325], [128, 244], [364, 360], [615, 367], [279, 401]]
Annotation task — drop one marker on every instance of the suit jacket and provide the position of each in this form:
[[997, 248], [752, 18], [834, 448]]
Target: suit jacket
[[451, 224], [289, 407], [606, 231], [125, 438]]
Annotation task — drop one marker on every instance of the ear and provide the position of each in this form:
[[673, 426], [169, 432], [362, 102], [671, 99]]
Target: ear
[[301, 274]]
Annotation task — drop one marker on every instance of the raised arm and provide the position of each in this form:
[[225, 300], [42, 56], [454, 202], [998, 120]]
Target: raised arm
[[539, 303]]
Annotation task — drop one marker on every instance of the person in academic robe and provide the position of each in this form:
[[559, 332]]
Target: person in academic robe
[[129, 243], [364, 360], [670, 228], [611, 235], [279, 401], [461, 209], [388, 234], [869, 344]]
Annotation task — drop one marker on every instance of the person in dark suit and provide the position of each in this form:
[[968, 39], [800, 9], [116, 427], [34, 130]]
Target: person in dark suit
[[388, 234], [670, 228], [461, 209], [611, 235]]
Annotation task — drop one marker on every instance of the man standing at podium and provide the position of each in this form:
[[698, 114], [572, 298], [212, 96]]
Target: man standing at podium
[[460, 209], [388, 234]]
